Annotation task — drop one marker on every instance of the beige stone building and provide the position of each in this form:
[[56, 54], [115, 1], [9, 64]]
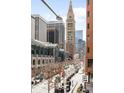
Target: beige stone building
[[32, 27], [40, 28], [70, 32]]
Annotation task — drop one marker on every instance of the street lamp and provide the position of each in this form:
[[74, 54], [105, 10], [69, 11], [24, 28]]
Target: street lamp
[[57, 17]]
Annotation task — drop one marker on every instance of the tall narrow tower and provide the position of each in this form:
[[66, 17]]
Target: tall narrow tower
[[70, 32]]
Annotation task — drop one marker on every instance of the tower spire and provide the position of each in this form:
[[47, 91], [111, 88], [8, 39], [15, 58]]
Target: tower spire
[[70, 31], [70, 10], [70, 5]]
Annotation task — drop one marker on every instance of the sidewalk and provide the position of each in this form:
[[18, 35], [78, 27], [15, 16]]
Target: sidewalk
[[78, 80], [75, 89]]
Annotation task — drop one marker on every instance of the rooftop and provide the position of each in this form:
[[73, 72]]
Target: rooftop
[[42, 44], [53, 22], [37, 15]]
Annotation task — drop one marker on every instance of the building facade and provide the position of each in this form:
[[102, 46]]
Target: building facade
[[32, 27], [42, 55], [70, 32], [56, 33], [40, 28], [89, 41]]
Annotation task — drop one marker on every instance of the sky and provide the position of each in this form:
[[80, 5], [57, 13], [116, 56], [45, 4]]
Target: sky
[[61, 8]]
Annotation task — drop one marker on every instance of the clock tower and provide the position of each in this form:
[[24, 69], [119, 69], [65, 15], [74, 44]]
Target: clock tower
[[70, 32]]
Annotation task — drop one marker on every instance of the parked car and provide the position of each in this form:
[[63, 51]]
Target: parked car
[[33, 81], [39, 77], [59, 90], [37, 81], [86, 91]]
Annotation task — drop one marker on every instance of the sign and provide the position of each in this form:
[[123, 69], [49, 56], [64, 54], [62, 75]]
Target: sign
[[85, 78]]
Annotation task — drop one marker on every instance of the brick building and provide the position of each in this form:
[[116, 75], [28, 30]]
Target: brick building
[[89, 40]]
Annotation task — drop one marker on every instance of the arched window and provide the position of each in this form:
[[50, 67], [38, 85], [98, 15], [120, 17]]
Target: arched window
[[33, 61], [69, 16], [39, 62]]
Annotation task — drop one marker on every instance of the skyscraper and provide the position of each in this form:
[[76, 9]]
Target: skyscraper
[[56, 33], [78, 36], [70, 32]]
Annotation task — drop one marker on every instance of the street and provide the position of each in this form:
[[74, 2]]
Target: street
[[42, 87], [77, 79]]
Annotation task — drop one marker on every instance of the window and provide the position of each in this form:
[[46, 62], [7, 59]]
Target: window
[[41, 51], [43, 62], [47, 61], [70, 24], [32, 51], [39, 62], [88, 49], [88, 26], [51, 51], [90, 62], [88, 37], [34, 62], [88, 2], [69, 16], [88, 13], [37, 52]]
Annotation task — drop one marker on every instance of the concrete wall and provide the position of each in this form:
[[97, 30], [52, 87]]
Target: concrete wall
[[42, 30], [32, 28]]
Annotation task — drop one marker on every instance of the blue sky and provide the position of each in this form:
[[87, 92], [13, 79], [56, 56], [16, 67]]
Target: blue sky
[[61, 8]]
